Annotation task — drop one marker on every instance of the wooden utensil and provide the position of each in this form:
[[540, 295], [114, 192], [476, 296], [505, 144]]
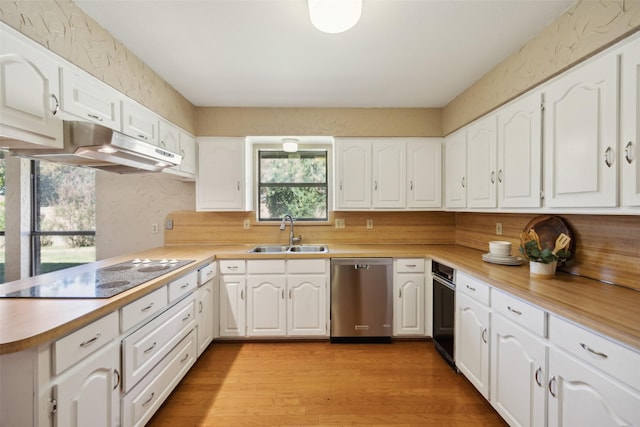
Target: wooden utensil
[[535, 237], [562, 242]]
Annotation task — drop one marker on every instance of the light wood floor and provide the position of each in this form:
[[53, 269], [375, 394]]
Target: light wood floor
[[317, 383]]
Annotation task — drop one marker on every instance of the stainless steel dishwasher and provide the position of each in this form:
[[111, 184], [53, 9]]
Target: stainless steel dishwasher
[[361, 299]]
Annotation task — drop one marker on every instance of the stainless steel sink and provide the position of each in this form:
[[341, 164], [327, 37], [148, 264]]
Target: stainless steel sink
[[309, 249], [279, 249]]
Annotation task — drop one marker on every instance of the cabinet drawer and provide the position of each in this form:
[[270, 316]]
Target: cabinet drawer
[[267, 266], [143, 401], [69, 350], [143, 308], [476, 289], [519, 311], [236, 266], [410, 265], [144, 348], [612, 358], [182, 286], [307, 266], [206, 273]]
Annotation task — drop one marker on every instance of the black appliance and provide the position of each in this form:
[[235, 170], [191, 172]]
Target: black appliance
[[444, 298]]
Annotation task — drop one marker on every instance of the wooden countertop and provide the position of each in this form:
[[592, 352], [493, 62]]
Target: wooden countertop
[[610, 310]]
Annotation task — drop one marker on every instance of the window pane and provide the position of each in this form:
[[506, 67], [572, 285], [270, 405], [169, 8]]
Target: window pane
[[2, 217], [279, 167], [303, 203], [58, 252]]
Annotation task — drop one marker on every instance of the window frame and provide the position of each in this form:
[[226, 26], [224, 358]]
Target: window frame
[[328, 148]]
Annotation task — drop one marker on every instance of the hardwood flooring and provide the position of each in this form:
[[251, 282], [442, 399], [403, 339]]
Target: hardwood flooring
[[318, 383]]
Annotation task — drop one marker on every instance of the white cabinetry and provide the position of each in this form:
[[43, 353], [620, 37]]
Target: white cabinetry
[[630, 124], [353, 174], [89, 99], [205, 306], [518, 361], [307, 307], [424, 173], [266, 300], [520, 152], [455, 156], [389, 173], [29, 94], [140, 122], [472, 331], [220, 183], [233, 283], [581, 136], [481, 163], [409, 297]]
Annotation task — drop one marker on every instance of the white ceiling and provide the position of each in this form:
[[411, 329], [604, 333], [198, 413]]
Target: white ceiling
[[266, 53]]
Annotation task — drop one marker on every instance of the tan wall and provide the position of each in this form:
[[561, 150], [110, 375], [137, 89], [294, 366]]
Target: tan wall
[[319, 121], [66, 30], [585, 29]]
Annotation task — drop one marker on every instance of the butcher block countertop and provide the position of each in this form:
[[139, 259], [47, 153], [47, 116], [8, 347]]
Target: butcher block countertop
[[611, 310]]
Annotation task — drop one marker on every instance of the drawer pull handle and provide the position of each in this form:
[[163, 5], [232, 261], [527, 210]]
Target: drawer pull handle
[[186, 318], [411, 265], [471, 288], [592, 351], [289, 293], [628, 156], [56, 106], [117, 375], [537, 376], [153, 394], [185, 358], [283, 294], [186, 285], [232, 267], [141, 136], [93, 116], [90, 341], [484, 335], [514, 311], [242, 294], [552, 383], [607, 157], [150, 348], [493, 177], [399, 293], [200, 305], [147, 308]]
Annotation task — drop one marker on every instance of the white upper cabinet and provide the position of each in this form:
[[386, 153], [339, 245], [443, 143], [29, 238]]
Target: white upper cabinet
[[29, 94], [389, 166], [140, 122], [86, 98], [481, 163], [455, 146], [630, 124], [353, 174], [519, 153], [220, 183], [188, 153], [580, 136], [424, 173]]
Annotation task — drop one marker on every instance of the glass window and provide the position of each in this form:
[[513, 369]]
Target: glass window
[[64, 216], [292, 183], [2, 217]]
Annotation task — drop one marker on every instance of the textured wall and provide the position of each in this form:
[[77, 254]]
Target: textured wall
[[319, 121], [66, 30], [585, 29], [127, 205]]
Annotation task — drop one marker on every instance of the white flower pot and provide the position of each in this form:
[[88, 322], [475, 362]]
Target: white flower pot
[[539, 270]]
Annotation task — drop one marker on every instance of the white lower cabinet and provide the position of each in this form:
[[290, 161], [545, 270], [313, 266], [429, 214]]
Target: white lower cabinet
[[266, 305], [472, 341], [205, 303], [233, 284], [307, 305], [409, 297]]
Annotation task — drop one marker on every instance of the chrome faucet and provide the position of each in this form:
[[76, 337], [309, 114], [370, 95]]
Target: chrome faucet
[[292, 238]]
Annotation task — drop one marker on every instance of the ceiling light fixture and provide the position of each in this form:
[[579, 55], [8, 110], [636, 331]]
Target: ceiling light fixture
[[290, 145], [334, 16]]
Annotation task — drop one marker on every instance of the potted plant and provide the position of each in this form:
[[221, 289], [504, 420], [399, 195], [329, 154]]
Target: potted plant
[[543, 261]]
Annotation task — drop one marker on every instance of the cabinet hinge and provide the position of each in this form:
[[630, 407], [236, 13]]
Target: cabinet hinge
[[53, 402]]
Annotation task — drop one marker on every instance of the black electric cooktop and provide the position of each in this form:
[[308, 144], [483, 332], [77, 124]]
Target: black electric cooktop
[[104, 282]]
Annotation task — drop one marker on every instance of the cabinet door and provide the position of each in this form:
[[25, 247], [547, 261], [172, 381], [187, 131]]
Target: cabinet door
[[307, 305], [472, 342], [517, 374], [580, 136], [353, 171], [481, 163], [188, 153], [169, 137], [220, 180], [90, 395], [408, 310], [389, 172], [90, 99], [424, 174], [232, 306], [266, 306], [140, 122], [204, 315], [519, 153], [455, 169], [581, 396], [29, 94], [630, 124]]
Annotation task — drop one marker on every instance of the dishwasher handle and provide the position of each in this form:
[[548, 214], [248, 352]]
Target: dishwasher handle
[[361, 266]]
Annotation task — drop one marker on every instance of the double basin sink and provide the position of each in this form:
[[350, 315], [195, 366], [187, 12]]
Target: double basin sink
[[278, 249]]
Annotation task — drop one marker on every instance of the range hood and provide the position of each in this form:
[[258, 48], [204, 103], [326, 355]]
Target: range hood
[[95, 146]]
